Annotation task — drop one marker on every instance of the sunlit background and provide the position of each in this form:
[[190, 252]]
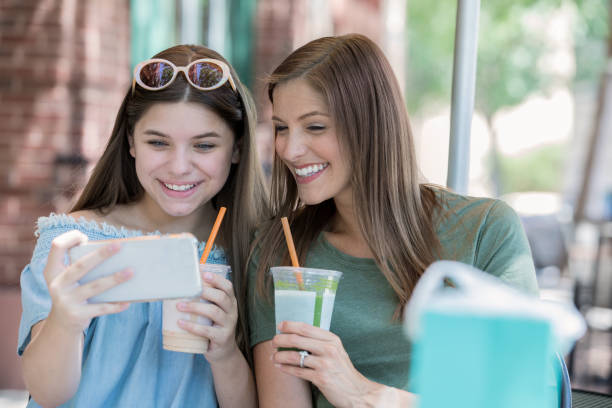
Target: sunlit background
[[541, 132]]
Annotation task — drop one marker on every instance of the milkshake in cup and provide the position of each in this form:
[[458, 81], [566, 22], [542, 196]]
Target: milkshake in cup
[[304, 295], [174, 337]]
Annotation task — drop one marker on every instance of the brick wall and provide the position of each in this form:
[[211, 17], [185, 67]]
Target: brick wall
[[63, 70], [64, 66]]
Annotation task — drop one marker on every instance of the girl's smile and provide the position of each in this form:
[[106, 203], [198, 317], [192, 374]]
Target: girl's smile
[[180, 190], [183, 153]]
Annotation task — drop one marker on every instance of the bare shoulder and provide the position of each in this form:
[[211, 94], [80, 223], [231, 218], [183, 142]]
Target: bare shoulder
[[112, 217], [89, 215], [120, 216]]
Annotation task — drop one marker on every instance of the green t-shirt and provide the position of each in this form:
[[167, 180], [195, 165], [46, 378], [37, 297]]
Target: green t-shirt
[[482, 232]]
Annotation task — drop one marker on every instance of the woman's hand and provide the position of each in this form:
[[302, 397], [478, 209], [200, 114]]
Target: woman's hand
[[69, 307], [328, 365], [222, 311]]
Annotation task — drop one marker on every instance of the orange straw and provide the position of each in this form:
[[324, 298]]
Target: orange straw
[[213, 235], [292, 253]]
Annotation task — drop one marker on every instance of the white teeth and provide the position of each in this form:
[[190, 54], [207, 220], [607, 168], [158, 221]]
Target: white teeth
[[310, 170], [176, 187]]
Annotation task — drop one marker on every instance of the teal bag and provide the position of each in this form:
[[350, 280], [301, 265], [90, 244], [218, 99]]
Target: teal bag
[[483, 344]]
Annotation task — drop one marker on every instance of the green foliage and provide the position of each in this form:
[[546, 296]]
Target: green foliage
[[510, 68], [508, 52], [430, 31], [537, 170], [590, 35]]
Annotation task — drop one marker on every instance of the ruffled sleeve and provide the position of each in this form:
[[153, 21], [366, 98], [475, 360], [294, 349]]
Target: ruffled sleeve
[[35, 299]]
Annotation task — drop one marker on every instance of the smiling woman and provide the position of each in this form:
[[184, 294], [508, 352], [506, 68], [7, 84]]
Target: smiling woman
[[182, 147], [306, 142], [345, 174]]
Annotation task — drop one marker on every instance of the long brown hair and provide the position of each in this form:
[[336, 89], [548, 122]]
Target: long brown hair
[[393, 210], [114, 180]]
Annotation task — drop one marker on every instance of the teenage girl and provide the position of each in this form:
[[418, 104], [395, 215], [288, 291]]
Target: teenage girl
[[182, 146]]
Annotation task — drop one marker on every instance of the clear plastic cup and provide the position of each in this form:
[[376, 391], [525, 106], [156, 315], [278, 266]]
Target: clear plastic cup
[[311, 302], [174, 337]]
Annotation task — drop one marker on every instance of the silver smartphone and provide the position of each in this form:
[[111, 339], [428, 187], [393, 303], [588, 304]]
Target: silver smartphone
[[165, 267]]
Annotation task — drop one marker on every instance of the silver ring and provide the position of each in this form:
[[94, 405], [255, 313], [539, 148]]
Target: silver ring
[[303, 355]]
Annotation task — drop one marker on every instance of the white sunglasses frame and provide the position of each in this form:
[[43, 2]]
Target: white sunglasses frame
[[185, 70]]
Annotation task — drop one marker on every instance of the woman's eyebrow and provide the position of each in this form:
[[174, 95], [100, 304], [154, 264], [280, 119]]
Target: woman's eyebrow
[[161, 134], [313, 113]]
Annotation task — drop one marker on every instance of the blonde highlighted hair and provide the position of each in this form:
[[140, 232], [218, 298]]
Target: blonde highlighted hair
[[393, 209]]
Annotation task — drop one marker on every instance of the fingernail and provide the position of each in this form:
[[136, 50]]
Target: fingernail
[[208, 276], [114, 247], [126, 273], [277, 365], [181, 305], [181, 322]]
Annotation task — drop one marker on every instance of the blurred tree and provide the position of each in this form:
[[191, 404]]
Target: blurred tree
[[511, 45], [590, 38], [430, 30], [537, 170], [508, 71]]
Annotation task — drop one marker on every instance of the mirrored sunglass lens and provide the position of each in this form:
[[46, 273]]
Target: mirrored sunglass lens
[[205, 74], [156, 74]]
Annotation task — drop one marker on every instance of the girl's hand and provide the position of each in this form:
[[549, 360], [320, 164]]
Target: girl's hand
[[69, 307], [328, 365], [222, 311]]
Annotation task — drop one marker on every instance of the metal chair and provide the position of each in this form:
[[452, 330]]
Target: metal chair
[[579, 398], [566, 387], [589, 399], [593, 298]]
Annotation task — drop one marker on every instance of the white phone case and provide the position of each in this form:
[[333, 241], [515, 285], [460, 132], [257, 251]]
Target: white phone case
[[165, 267]]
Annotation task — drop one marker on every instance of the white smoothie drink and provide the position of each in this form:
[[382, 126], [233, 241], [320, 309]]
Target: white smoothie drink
[[304, 295], [294, 305], [326, 310]]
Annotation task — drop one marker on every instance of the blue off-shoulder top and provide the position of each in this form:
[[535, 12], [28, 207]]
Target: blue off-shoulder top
[[124, 364]]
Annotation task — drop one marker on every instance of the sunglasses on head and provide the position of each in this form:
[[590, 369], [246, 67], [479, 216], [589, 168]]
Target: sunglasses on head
[[204, 74]]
